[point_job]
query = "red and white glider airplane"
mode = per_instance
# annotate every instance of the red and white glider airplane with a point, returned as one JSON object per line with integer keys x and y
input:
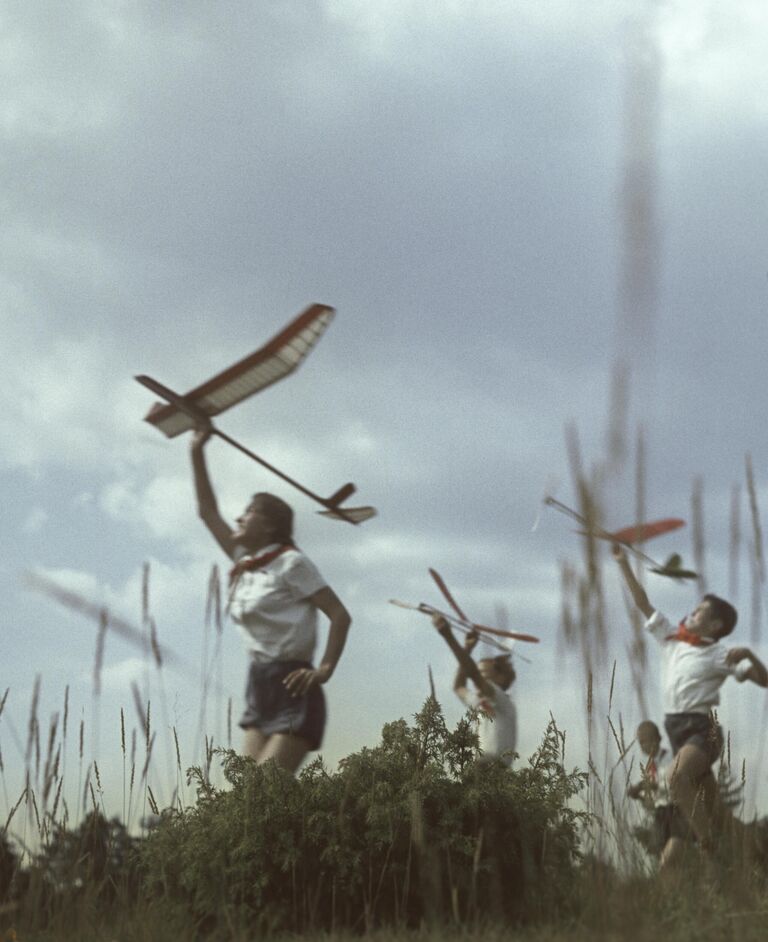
{"x": 275, "y": 360}
{"x": 629, "y": 536}
{"x": 488, "y": 635}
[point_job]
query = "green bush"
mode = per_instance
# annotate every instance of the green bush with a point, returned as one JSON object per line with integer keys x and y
{"x": 412, "y": 831}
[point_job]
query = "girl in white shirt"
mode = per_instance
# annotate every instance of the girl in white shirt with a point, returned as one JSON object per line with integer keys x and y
{"x": 694, "y": 666}
{"x": 275, "y": 593}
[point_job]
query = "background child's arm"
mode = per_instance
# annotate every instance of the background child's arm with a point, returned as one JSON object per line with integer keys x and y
{"x": 460, "y": 680}
{"x": 635, "y": 589}
{"x": 757, "y": 673}
{"x": 467, "y": 667}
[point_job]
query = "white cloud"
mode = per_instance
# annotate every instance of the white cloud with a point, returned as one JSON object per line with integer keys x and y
{"x": 35, "y": 520}
{"x": 714, "y": 57}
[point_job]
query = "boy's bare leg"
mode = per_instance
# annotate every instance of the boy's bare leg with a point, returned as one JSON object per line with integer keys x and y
{"x": 672, "y": 853}
{"x": 694, "y": 791}
{"x": 287, "y": 749}
{"x": 253, "y": 743}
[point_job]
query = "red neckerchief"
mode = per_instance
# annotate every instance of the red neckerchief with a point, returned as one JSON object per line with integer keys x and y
{"x": 651, "y": 771}
{"x": 252, "y": 563}
{"x": 690, "y": 637}
{"x": 485, "y": 705}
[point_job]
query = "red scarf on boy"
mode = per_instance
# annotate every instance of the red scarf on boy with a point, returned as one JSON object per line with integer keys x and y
{"x": 690, "y": 637}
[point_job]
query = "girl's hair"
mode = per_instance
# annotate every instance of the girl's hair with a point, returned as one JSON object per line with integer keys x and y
{"x": 279, "y": 514}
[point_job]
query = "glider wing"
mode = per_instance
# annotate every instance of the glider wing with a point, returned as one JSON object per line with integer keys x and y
{"x": 275, "y": 360}
{"x": 639, "y": 532}
{"x": 514, "y": 635}
{"x": 447, "y": 595}
{"x": 351, "y": 514}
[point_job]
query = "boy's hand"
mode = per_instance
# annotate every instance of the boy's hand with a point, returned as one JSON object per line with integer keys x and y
{"x": 441, "y": 623}
{"x": 470, "y": 641}
{"x": 618, "y": 553}
{"x": 737, "y": 654}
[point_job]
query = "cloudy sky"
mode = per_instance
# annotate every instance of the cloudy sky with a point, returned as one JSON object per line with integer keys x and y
{"x": 503, "y": 200}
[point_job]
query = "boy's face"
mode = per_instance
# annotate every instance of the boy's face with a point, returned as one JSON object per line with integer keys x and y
{"x": 648, "y": 741}
{"x": 702, "y": 622}
{"x": 491, "y": 670}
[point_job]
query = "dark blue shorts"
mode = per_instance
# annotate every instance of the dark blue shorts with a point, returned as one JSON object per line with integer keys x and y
{"x": 271, "y": 709}
{"x": 695, "y": 729}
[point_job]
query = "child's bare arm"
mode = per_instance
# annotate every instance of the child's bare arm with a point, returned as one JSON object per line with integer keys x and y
{"x": 467, "y": 667}
{"x": 757, "y": 673}
{"x": 207, "y": 507}
{"x": 635, "y": 589}
{"x": 460, "y": 680}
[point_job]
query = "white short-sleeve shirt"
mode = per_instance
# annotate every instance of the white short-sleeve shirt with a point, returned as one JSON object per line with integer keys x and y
{"x": 691, "y": 675}
{"x": 271, "y": 606}
{"x": 497, "y": 722}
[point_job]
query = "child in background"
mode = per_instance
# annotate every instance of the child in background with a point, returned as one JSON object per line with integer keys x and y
{"x": 491, "y": 678}
{"x": 670, "y": 829}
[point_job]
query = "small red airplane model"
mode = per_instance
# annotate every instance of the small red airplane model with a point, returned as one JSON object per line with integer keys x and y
{"x": 459, "y": 620}
{"x": 628, "y": 537}
{"x": 270, "y": 363}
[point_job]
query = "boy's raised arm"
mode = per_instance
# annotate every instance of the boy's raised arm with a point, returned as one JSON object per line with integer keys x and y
{"x": 635, "y": 589}
{"x": 467, "y": 667}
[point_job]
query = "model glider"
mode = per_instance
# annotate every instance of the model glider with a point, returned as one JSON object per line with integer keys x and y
{"x": 118, "y": 626}
{"x": 460, "y": 620}
{"x": 483, "y": 629}
{"x": 453, "y": 620}
{"x": 630, "y": 536}
{"x": 272, "y": 362}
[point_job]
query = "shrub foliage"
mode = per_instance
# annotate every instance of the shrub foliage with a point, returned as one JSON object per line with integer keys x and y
{"x": 413, "y": 831}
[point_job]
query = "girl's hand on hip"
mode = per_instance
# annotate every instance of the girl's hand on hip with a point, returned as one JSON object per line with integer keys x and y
{"x": 300, "y": 681}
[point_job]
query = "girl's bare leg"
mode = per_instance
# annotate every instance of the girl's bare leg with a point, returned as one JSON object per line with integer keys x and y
{"x": 253, "y": 743}
{"x": 286, "y": 749}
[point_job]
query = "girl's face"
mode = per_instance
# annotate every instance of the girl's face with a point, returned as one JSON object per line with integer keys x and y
{"x": 254, "y": 528}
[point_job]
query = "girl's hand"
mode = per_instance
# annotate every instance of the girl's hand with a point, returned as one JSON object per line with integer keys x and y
{"x": 441, "y": 623}
{"x": 301, "y": 681}
{"x": 201, "y": 436}
{"x": 470, "y": 641}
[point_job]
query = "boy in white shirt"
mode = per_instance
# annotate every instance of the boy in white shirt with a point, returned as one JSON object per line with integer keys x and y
{"x": 492, "y": 677}
{"x": 694, "y": 666}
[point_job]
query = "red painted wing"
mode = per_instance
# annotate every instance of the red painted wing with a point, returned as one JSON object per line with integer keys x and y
{"x": 640, "y": 532}
{"x": 448, "y": 597}
{"x": 270, "y": 363}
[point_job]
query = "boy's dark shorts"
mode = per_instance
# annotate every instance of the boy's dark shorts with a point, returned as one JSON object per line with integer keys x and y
{"x": 270, "y": 708}
{"x": 696, "y": 729}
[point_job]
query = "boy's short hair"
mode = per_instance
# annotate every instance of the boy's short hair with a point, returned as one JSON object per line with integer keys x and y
{"x": 503, "y": 664}
{"x": 648, "y": 727}
{"x": 724, "y": 612}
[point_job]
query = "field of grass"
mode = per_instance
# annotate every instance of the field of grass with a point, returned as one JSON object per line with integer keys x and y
{"x": 410, "y": 838}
